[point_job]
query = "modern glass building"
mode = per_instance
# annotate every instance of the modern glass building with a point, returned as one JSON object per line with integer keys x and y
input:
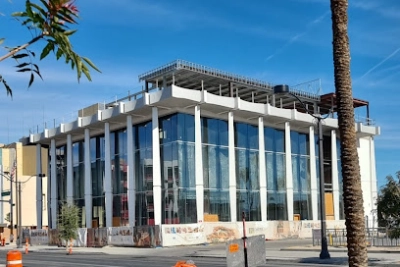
{"x": 200, "y": 145}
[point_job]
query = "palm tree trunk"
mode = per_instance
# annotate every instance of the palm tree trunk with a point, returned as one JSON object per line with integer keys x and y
{"x": 352, "y": 192}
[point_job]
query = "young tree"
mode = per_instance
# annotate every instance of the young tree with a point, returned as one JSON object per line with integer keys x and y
{"x": 68, "y": 223}
{"x": 352, "y": 192}
{"x": 388, "y": 205}
{"x": 49, "y": 22}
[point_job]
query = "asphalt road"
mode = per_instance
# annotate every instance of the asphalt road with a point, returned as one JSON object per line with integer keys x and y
{"x": 58, "y": 259}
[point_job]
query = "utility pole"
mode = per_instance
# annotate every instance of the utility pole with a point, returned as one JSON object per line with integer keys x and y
{"x": 11, "y": 210}
{"x": 19, "y": 233}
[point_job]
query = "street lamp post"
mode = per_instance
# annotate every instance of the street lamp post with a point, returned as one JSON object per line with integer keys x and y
{"x": 284, "y": 89}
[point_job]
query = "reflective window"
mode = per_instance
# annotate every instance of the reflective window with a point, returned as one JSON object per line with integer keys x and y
{"x": 215, "y": 166}
{"x": 302, "y": 206}
{"x": 275, "y": 163}
{"x": 144, "y": 206}
{"x": 61, "y": 163}
{"x": 246, "y": 136}
{"x": 214, "y": 131}
{"x": 274, "y": 140}
{"x": 340, "y": 177}
{"x": 178, "y": 169}
{"x": 247, "y": 178}
{"x": 78, "y": 170}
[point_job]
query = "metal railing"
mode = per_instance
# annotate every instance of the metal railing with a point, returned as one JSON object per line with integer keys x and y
{"x": 375, "y": 237}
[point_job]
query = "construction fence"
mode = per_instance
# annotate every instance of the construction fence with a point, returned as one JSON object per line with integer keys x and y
{"x": 140, "y": 236}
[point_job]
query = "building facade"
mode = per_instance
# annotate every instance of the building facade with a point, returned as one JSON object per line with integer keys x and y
{"x": 18, "y": 167}
{"x": 200, "y": 145}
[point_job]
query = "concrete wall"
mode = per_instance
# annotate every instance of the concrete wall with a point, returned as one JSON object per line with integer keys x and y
{"x": 220, "y": 232}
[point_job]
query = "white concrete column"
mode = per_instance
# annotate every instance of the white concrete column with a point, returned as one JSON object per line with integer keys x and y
{"x": 107, "y": 176}
{"x": 232, "y": 167}
{"x": 53, "y": 184}
{"x": 262, "y": 169}
{"x": 335, "y": 177}
{"x": 88, "y": 180}
{"x": 374, "y": 185}
{"x": 289, "y": 172}
{"x": 131, "y": 171}
{"x": 70, "y": 177}
{"x": 157, "y": 194}
{"x": 199, "y": 165}
{"x": 39, "y": 204}
{"x": 313, "y": 174}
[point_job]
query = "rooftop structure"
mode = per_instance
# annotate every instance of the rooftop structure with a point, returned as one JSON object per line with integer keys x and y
{"x": 198, "y": 77}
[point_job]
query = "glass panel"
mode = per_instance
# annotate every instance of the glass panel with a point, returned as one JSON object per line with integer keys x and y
{"x": 189, "y": 127}
{"x": 217, "y": 202}
{"x": 241, "y": 135}
{"x": 120, "y": 210}
{"x": 249, "y": 203}
{"x": 97, "y": 177}
{"x": 79, "y": 181}
{"x": 279, "y": 141}
{"x": 277, "y": 207}
{"x": 252, "y": 135}
{"x": 242, "y": 173}
{"x": 281, "y": 172}
{"x": 223, "y": 132}
{"x": 80, "y": 203}
{"x": 294, "y": 142}
{"x": 98, "y": 212}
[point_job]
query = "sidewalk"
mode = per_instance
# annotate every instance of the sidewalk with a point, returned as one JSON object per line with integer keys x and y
{"x": 274, "y": 251}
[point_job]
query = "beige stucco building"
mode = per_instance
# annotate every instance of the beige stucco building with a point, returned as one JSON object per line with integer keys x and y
{"x": 18, "y": 163}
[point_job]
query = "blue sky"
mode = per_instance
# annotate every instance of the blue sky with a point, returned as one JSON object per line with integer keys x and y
{"x": 276, "y": 41}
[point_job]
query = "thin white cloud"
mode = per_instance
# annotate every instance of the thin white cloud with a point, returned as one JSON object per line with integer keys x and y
{"x": 297, "y": 36}
{"x": 385, "y": 9}
{"x": 379, "y": 64}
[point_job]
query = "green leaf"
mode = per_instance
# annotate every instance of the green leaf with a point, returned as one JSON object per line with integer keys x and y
{"x": 45, "y": 4}
{"x": 2, "y": 40}
{"x": 19, "y": 56}
{"x": 59, "y": 53}
{"x": 22, "y": 65}
{"x": 90, "y": 63}
{"x": 8, "y": 88}
{"x": 70, "y": 32}
{"x": 38, "y": 74}
{"x": 24, "y": 70}
{"x": 19, "y": 14}
{"x": 40, "y": 9}
{"x": 31, "y": 80}
{"x": 46, "y": 50}
{"x": 86, "y": 72}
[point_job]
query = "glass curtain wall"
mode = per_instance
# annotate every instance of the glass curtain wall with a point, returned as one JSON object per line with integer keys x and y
{"x": 247, "y": 178}
{"x": 215, "y": 169}
{"x": 178, "y": 169}
{"x": 340, "y": 177}
{"x": 119, "y": 177}
{"x": 276, "y": 174}
{"x": 61, "y": 163}
{"x": 79, "y": 179}
{"x": 300, "y": 147}
{"x": 97, "y": 151}
{"x": 144, "y": 204}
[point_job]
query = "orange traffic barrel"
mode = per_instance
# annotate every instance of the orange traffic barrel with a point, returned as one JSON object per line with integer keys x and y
{"x": 188, "y": 263}
{"x": 14, "y": 258}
